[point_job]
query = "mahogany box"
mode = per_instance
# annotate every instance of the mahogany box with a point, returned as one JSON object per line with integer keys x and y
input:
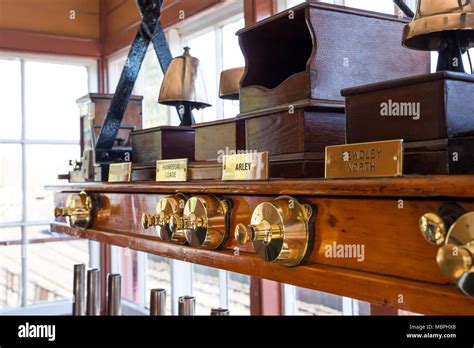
{"x": 426, "y": 107}
{"x": 93, "y": 108}
{"x": 314, "y": 50}
{"x": 217, "y": 138}
{"x": 296, "y": 138}
{"x": 439, "y": 157}
{"x": 161, "y": 143}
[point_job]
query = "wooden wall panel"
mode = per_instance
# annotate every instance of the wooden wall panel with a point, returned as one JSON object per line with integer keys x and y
{"x": 52, "y": 17}
{"x": 120, "y": 16}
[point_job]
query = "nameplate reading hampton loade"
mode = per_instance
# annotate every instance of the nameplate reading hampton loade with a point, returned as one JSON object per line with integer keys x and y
{"x": 120, "y": 172}
{"x": 374, "y": 159}
{"x": 172, "y": 170}
{"x": 246, "y": 166}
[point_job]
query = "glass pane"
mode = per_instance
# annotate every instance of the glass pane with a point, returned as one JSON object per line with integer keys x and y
{"x": 10, "y": 235}
{"x": 239, "y": 294}
{"x": 384, "y": 6}
{"x": 43, "y": 233}
{"x": 204, "y": 48}
{"x": 232, "y": 55}
{"x": 206, "y": 289}
{"x": 10, "y": 97}
{"x": 291, "y": 3}
{"x": 51, "y": 91}
{"x": 44, "y": 163}
{"x": 10, "y": 269}
{"x": 311, "y": 302}
{"x": 128, "y": 261}
{"x": 159, "y": 277}
{"x": 50, "y": 268}
{"x": 149, "y": 84}
{"x": 232, "y": 58}
{"x": 10, "y": 183}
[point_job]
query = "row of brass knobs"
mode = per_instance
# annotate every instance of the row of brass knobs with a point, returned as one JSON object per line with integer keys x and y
{"x": 279, "y": 230}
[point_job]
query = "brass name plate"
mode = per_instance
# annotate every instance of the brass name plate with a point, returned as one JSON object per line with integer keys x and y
{"x": 120, "y": 172}
{"x": 374, "y": 159}
{"x": 172, "y": 170}
{"x": 247, "y": 166}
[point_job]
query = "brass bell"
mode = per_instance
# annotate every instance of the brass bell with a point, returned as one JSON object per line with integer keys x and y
{"x": 183, "y": 86}
{"x": 229, "y": 86}
{"x": 446, "y": 26}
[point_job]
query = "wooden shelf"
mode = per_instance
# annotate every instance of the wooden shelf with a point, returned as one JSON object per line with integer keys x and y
{"x": 460, "y": 186}
{"x": 399, "y": 269}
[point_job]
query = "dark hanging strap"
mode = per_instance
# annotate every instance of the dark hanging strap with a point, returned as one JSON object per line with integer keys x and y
{"x": 150, "y": 30}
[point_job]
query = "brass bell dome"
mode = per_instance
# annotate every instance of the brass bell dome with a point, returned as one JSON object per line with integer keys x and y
{"x": 183, "y": 86}
{"x": 434, "y": 18}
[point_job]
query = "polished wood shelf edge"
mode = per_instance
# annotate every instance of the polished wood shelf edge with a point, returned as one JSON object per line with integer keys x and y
{"x": 460, "y": 186}
{"x": 414, "y": 296}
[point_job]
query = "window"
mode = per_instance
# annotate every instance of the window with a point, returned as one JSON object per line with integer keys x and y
{"x": 38, "y": 137}
{"x": 301, "y": 301}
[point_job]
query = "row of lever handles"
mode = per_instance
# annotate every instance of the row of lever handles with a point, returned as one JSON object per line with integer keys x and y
{"x": 89, "y": 303}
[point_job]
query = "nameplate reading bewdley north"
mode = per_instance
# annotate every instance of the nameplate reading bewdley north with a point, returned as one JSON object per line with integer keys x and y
{"x": 245, "y": 166}
{"x": 374, "y": 159}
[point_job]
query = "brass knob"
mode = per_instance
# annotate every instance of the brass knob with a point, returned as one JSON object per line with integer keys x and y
{"x": 205, "y": 222}
{"x": 454, "y": 261}
{"x": 455, "y": 257}
{"x": 279, "y": 231}
{"x": 148, "y": 220}
{"x": 78, "y": 210}
{"x": 433, "y": 228}
{"x": 242, "y": 234}
{"x": 167, "y": 220}
{"x": 262, "y": 232}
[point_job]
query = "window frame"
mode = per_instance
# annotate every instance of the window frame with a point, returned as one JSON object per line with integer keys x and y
{"x": 23, "y": 224}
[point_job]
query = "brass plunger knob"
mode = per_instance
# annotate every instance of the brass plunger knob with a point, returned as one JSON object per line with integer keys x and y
{"x": 148, "y": 220}
{"x": 63, "y": 212}
{"x": 433, "y": 228}
{"x": 242, "y": 234}
{"x": 454, "y": 260}
{"x": 263, "y": 232}
{"x": 193, "y": 221}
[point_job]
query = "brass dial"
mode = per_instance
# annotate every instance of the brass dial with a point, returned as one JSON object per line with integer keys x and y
{"x": 455, "y": 257}
{"x": 279, "y": 231}
{"x": 78, "y": 210}
{"x": 167, "y": 219}
{"x": 205, "y": 222}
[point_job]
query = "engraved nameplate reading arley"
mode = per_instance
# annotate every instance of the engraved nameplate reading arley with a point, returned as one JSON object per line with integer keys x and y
{"x": 172, "y": 170}
{"x": 374, "y": 159}
{"x": 245, "y": 166}
{"x": 120, "y": 172}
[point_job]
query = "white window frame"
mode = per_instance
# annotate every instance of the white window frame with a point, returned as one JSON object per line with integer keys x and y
{"x": 92, "y": 71}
